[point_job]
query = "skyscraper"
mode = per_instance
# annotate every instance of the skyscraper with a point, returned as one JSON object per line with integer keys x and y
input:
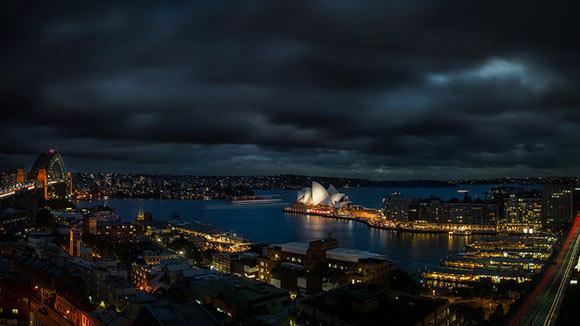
{"x": 556, "y": 204}
{"x": 576, "y": 200}
{"x": 521, "y": 209}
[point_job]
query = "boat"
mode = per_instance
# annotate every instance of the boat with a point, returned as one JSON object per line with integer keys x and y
{"x": 252, "y": 200}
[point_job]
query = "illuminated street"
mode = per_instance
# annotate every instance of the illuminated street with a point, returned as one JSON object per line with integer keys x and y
{"x": 543, "y": 304}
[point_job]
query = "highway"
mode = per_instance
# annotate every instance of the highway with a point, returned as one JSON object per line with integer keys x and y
{"x": 543, "y": 303}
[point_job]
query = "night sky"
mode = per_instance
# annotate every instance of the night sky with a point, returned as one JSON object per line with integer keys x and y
{"x": 382, "y": 90}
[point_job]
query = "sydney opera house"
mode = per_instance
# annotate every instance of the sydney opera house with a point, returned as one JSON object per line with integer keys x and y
{"x": 318, "y": 196}
{"x": 317, "y": 200}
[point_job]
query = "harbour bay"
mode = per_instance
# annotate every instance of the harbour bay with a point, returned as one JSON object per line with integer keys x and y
{"x": 268, "y": 224}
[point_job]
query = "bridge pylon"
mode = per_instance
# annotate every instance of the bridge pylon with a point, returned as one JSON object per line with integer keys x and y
{"x": 20, "y": 175}
{"x": 42, "y": 178}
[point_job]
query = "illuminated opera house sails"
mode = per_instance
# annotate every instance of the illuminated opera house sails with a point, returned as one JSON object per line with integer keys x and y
{"x": 317, "y": 195}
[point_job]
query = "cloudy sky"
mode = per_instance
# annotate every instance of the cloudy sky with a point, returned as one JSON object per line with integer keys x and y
{"x": 384, "y": 90}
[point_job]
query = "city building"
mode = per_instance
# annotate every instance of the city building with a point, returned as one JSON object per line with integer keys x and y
{"x": 243, "y": 300}
{"x": 143, "y": 216}
{"x": 240, "y": 264}
{"x": 459, "y": 213}
{"x": 100, "y": 218}
{"x": 145, "y": 277}
{"x": 156, "y": 257}
{"x": 133, "y": 304}
{"x": 153, "y": 277}
{"x": 400, "y": 208}
{"x": 523, "y": 212}
{"x": 320, "y": 265}
{"x": 67, "y": 309}
{"x": 122, "y": 231}
{"x": 14, "y": 293}
{"x": 103, "y": 317}
{"x": 176, "y": 314}
{"x": 576, "y": 200}
{"x": 358, "y": 266}
{"x": 371, "y": 304}
{"x": 556, "y": 204}
{"x": 45, "y": 276}
{"x": 114, "y": 291}
{"x": 13, "y": 221}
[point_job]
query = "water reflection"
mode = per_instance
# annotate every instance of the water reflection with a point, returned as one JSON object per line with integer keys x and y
{"x": 267, "y": 223}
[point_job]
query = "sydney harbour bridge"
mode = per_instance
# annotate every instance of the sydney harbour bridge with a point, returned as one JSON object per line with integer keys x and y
{"x": 47, "y": 179}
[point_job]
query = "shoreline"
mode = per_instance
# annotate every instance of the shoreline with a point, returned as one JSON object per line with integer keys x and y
{"x": 289, "y": 210}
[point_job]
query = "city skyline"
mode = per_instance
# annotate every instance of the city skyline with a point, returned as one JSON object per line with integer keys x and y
{"x": 148, "y": 248}
{"x": 330, "y": 162}
{"x": 430, "y": 90}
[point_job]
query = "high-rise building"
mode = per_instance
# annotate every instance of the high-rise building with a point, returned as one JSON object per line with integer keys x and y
{"x": 433, "y": 210}
{"x": 556, "y": 205}
{"x": 401, "y": 208}
{"x": 576, "y": 200}
{"x": 523, "y": 210}
{"x": 459, "y": 213}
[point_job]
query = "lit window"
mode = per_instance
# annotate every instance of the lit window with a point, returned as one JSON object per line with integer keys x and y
{"x": 15, "y": 311}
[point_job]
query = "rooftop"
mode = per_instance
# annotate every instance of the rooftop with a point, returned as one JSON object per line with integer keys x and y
{"x": 240, "y": 288}
{"x": 119, "y": 283}
{"x": 367, "y": 304}
{"x": 293, "y": 247}
{"x": 176, "y": 314}
{"x": 142, "y": 297}
{"x": 352, "y": 255}
{"x": 40, "y": 265}
{"x": 7, "y": 273}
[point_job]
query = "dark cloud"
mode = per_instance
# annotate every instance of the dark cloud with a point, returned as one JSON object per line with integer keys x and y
{"x": 398, "y": 89}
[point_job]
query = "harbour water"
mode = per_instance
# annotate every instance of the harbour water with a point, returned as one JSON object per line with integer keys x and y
{"x": 267, "y": 223}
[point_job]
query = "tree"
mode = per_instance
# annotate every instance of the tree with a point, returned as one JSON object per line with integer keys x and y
{"x": 45, "y": 220}
{"x": 399, "y": 280}
{"x": 59, "y": 203}
{"x": 470, "y": 315}
{"x": 497, "y": 314}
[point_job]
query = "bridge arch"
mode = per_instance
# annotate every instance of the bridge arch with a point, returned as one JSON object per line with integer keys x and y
{"x": 53, "y": 165}
{"x": 49, "y": 171}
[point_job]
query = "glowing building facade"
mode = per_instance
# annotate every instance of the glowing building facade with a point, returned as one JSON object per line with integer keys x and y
{"x": 317, "y": 195}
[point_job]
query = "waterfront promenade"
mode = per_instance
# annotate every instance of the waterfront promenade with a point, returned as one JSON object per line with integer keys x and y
{"x": 418, "y": 227}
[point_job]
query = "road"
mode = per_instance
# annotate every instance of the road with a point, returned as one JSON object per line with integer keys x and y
{"x": 543, "y": 304}
{"x": 7, "y": 192}
{"x": 50, "y": 318}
